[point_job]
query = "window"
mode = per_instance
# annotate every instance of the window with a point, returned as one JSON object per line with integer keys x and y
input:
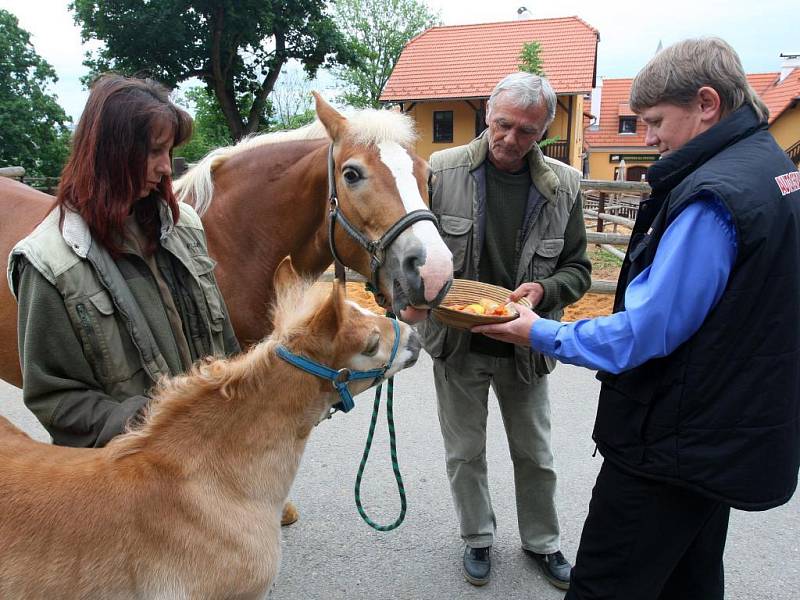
{"x": 627, "y": 124}
{"x": 443, "y": 126}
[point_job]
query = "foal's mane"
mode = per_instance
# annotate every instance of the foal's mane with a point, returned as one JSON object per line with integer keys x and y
{"x": 365, "y": 127}
{"x": 213, "y": 383}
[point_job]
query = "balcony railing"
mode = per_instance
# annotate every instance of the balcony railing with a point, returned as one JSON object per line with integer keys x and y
{"x": 794, "y": 153}
{"x": 557, "y": 150}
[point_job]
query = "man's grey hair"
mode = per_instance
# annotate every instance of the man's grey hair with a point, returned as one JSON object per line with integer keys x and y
{"x": 526, "y": 89}
{"x": 675, "y": 75}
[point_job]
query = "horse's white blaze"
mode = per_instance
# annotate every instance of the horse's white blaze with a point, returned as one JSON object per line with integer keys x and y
{"x": 438, "y": 267}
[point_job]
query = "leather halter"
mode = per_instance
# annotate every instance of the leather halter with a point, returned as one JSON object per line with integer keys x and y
{"x": 375, "y": 248}
{"x": 342, "y": 377}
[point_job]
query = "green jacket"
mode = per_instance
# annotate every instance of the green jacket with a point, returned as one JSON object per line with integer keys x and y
{"x": 553, "y": 252}
{"x": 93, "y": 332}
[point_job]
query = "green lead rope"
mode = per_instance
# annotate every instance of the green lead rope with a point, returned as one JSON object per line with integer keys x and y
{"x": 395, "y": 466}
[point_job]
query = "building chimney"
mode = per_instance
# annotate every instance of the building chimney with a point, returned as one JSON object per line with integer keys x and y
{"x": 790, "y": 63}
{"x": 523, "y": 14}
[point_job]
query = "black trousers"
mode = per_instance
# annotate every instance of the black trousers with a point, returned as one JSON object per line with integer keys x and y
{"x": 647, "y": 540}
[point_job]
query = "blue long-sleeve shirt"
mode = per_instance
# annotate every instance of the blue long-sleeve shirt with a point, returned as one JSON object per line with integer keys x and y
{"x": 664, "y": 305}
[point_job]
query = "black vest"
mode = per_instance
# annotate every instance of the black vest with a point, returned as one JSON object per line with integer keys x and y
{"x": 721, "y": 414}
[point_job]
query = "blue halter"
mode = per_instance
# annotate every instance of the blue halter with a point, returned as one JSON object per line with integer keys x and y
{"x": 342, "y": 377}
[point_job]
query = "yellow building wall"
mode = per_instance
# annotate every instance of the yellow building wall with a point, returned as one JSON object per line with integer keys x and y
{"x": 786, "y": 128}
{"x": 576, "y": 144}
{"x": 464, "y": 125}
{"x": 600, "y": 167}
{"x": 559, "y": 125}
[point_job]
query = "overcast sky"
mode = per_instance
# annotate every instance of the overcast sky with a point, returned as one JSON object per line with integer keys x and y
{"x": 760, "y": 30}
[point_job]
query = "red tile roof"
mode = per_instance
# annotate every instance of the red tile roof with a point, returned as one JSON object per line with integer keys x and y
{"x": 467, "y": 61}
{"x": 613, "y": 105}
{"x": 616, "y": 92}
{"x": 778, "y": 96}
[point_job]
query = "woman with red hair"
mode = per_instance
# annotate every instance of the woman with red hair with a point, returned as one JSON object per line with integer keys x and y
{"x": 115, "y": 286}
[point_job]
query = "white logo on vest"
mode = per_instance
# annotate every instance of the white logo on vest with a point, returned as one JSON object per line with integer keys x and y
{"x": 788, "y": 182}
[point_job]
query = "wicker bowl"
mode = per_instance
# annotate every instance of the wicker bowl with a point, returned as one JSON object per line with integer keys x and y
{"x": 466, "y": 291}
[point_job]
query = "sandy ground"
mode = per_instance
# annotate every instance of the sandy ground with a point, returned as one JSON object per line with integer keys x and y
{"x": 591, "y": 305}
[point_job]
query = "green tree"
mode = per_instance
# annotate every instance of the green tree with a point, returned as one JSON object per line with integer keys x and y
{"x": 292, "y": 103}
{"x": 33, "y": 127}
{"x": 290, "y": 106}
{"x": 210, "y": 128}
{"x": 235, "y": 47}
{"x": 376, "y": 32}
{"x": 531, "y": 62}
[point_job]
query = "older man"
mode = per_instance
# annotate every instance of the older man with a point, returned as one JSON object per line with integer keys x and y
{"x": 511, "y": 217}
{"x": 699, "y": 406}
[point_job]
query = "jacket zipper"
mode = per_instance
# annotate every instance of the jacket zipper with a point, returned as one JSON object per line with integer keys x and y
{"x": 91, "y": 337}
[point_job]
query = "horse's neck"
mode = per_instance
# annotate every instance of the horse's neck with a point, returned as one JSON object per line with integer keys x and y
{"x": 273, "y": 215}
{"x": 248, "y": 445}
{"x": 260, "y": 220}
{"x": 310, "y": 251}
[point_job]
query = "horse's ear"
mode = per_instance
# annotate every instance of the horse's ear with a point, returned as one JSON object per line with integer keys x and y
{"x": 329, "y": 318}
{"x": 334, "y": 122}
{"x": 285, "y": 275}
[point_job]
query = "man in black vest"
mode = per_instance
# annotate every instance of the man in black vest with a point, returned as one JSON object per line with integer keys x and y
{"x": 699, "y": 408}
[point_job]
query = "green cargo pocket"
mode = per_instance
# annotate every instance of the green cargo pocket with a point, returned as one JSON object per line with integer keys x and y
{"x": 456, "y": 233}
{"x": 204, "y": 267}
{"x": 546, "y": 257}
{"x": 106, "y": 343}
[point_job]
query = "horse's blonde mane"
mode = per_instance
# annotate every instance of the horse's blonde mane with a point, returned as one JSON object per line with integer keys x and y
{"x": 215, "y": 380}
{"x": 365, "y": 127}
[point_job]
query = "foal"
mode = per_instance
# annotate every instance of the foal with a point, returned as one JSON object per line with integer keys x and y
{"x": 187, "y": 505}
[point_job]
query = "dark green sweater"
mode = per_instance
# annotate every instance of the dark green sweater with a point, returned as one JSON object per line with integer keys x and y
{"x": 506, "y": 199}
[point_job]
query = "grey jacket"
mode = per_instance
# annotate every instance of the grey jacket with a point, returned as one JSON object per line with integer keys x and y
{"x": 89, "y": 355}
{"x": 553, "y": 252}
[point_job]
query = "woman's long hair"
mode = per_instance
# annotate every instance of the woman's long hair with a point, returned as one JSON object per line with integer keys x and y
{"x": 107, "y": 168}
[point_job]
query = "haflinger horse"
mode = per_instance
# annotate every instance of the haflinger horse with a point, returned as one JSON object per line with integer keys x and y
{"x": 187, "y": 504}
{"x": 350, "y": 188}
{"x": 281, "y": 194}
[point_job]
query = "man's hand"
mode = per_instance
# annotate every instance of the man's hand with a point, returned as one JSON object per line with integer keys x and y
{"x": 532, "y": 291}
{"x": 514, "y": 332}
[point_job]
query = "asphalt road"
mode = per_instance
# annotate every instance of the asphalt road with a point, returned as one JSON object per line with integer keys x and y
{"x": 331, "y": 554}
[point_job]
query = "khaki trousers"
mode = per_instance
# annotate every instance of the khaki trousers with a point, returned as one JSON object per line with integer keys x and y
{"x": 462, "y": 398}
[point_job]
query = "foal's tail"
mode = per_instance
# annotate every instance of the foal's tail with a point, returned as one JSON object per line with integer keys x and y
{"x": 196, "y": 186}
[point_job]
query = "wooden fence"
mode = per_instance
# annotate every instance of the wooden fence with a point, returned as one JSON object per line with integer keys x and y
{"x": 615, "y": 203}
{"x": 43, "y": 184}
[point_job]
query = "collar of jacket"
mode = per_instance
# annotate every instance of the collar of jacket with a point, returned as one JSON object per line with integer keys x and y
{"x": 669, "y": 171}
{"x": 76, "y": 233}
{"x": 542, "y": 176}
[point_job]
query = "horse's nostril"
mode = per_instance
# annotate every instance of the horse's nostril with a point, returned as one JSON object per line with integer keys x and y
{"x": 411, "y": 265}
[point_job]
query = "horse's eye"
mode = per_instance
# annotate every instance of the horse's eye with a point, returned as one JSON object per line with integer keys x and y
{"x": 351, "y": 175}
{"x": 373, "y": 343}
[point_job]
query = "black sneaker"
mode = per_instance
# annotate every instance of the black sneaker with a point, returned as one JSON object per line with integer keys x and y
{"x": 477, "y": 565}
{"x": 555, "y": 568}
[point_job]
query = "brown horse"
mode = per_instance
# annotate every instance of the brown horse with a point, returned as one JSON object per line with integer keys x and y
{"x": 271, "y": 198}
{"x": 187, "y": 504}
